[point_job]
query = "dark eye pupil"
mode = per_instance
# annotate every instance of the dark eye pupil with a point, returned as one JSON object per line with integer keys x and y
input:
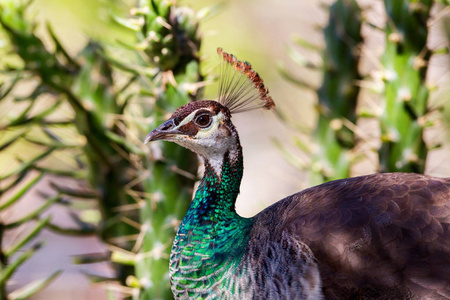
{"x": 203, "y": 120}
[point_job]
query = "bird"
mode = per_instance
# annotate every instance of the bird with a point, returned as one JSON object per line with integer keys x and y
{"x": 380, "y": 236}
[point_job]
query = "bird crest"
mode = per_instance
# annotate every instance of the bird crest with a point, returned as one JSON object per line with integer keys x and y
{"x": 240, "y": 87}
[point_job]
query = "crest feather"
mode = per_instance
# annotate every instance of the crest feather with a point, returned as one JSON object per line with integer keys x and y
{"x": 241, "y": 88}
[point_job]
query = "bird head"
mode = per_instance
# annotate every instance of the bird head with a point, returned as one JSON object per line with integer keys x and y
{"x": 205, "y": 126}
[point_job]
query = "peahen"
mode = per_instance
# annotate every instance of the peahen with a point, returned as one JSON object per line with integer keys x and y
{"x": 381, "y": 236}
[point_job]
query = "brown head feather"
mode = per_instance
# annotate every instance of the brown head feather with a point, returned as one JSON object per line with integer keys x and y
{"x": 183, "y": 111}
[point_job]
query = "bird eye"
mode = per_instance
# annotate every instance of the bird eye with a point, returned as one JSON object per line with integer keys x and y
{"x": 203, "y": 120}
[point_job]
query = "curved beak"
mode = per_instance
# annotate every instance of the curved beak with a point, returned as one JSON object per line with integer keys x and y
{"x": 165, "y": 129}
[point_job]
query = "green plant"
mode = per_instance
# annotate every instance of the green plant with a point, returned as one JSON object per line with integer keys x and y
{"x": 338, "y": 93}
{"x": 92, "y": 102}
{"x": 169, "y": 41}
{"x": 17, "y": 244}
{"x": 401, "y": 88}
{"x": 114, "y": 96}
{"x": 405, "y": 95}
{"x": 334, "y": 136}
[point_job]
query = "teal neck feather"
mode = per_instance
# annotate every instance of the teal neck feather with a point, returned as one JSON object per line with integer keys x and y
{"x": 212, "y": 236}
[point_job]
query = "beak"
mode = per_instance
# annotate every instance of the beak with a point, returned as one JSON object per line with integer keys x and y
{"x": 160, "y": 133}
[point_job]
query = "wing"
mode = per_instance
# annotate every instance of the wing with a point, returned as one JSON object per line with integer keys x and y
{"x": 383, "y": 236}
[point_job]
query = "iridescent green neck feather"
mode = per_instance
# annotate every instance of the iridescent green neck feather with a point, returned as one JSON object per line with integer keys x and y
{"x": 212, "y": 237}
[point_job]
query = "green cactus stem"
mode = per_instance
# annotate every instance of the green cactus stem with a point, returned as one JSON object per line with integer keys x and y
{"x": 338, "y": 94}
{"x": 402, "y": 121}
{"x": 170, "y": 39}
{"x": 86, "y": 84}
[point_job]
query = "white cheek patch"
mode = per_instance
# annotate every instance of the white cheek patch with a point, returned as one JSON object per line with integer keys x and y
{"x": 211, "y": 143}
{"x": 214, "y": 142}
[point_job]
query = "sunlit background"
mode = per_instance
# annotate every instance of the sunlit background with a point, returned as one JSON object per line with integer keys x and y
{"x": 259, "y": 31}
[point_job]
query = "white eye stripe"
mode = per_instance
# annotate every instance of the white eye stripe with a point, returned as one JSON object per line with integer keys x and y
{"x": 188, "y": 119}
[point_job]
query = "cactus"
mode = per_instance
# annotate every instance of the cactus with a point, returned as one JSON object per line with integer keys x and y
{"x": 93, "y": 102}
{"x": 338, "y": 93}
{"x": 169, "y": 38}
{"x": 14, "y": 185}
{"x": 334, "y": 136}
{"x": 130, "y": 184}
{"x": 13, "y": 255}
{"x": 404, "y": 95}
{"x": 405, "y": 92}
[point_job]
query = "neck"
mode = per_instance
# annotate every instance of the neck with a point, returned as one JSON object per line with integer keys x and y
{"x": 213, "y": 206}
{"x": 212, "y": 236}
{"x": 212, "y": 210}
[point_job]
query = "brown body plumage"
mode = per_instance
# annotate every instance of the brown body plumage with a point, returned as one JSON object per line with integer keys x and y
{"x": 381, "y": 236}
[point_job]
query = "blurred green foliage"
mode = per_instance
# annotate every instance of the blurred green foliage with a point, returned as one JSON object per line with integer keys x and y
{"x": 405, "y": 94}
{"x": 397, "y": 81}
{"x": 112, "y": 96}
{"x": 338, "y": 93}
{"x": 169, "y": 38}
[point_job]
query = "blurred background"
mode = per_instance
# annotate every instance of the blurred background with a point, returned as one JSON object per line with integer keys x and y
{"x": 289, "y": 43}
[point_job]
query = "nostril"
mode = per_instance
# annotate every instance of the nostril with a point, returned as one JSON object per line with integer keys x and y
{"x": 166, "y": 126}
